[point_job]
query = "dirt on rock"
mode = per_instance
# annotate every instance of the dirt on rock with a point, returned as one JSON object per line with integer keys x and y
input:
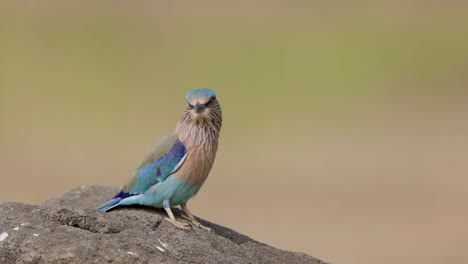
{"x": 69, "y": 229}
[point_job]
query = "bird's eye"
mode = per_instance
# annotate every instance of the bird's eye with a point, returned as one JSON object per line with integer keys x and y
{"x": 210, "y": 101}
{"x": 190, "y": 106}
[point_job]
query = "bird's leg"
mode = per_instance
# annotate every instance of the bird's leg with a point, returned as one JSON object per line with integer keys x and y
{"x": 192, "y": 218}
{"x": 172, "y": 219}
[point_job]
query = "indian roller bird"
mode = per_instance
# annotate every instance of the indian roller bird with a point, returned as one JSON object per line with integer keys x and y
{"x": 179, "y": 163}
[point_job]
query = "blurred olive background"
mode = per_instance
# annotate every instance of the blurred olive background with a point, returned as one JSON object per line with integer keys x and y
{"x": 345, "y": 123}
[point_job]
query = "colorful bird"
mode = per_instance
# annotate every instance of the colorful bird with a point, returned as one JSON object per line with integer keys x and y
{"x": 179, "y": 163}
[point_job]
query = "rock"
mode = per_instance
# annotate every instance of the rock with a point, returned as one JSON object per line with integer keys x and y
{"x": 69, "y": 230}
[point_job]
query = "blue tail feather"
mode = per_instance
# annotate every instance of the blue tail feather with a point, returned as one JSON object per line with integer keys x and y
{"x": 110, "y": 204}
{"x": 115, "y": 201}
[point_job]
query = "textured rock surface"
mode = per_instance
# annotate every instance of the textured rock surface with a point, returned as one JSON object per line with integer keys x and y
{"x": 68, "y": 230}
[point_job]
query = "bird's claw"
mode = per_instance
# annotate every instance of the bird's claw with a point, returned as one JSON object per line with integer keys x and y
{"x": 198, "y": 224}
{"x": 178, "y": 224}
{"x": 204, "y": 227}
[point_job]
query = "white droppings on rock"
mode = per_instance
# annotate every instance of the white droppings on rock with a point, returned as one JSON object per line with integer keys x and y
{"x": 131, "y": 253}
{"x": 16, "y": 228}
{"x": 160, "y": 248}
{"x": 36, "y": 235}
{"x": 3, "y": 236}
{"x": 23, "y": 224}
{"x": 164, "y": 245}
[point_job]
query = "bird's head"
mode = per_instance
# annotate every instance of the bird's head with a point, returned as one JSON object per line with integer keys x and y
{"x": 203, "y": 106}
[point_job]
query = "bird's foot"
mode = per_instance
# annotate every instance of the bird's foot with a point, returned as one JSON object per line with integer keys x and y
{"x": 197, "y": 224}
{"x": 204, "y": 227}
{"x": 179, "y": 224}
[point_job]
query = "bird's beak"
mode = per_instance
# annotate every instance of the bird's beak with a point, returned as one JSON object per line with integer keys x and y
{"x": 199, "y": 108}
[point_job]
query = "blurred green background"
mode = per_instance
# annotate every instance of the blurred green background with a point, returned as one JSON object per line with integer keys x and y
{"x": 345, "y": 123}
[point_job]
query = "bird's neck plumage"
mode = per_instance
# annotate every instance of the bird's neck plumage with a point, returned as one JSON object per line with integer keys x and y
{"x": 201, "y": 140}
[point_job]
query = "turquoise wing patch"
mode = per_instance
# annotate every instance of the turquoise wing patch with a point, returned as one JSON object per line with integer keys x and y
{"x": 157, "y": 171}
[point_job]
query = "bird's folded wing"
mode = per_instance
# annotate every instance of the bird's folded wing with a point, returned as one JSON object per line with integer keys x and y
{"x": 165, "y": 158}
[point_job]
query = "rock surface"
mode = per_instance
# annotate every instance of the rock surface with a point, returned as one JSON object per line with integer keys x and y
{"x": 69, "y": 230}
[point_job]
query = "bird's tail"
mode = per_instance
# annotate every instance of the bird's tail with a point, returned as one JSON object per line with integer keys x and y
{"x": 110, "y": 204}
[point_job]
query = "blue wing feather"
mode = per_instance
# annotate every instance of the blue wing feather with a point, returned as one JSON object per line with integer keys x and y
{"x": 158, "y": 171}
{"x": 153, "y": 173}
